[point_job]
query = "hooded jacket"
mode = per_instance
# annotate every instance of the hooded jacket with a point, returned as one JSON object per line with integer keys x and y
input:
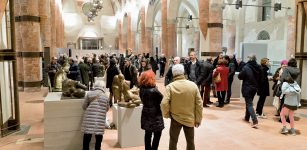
{"x": 291, "y": 71}
{"x": 292, "y": 93}
{"x": 250, "y": 74}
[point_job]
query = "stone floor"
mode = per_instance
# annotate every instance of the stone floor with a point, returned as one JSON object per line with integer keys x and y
{"x": 221, "y": 128}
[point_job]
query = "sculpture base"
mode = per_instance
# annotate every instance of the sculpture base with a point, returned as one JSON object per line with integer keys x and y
{"x": 129, "y": 132}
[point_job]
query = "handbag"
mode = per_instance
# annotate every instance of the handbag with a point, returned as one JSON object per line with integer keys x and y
{"x": 278, "y": 90}
{"x": 217, "y": 79}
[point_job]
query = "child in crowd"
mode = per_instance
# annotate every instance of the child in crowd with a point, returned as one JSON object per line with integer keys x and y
{"x": 291, "y": 91}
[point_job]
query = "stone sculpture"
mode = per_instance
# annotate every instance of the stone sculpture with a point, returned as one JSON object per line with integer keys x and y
{"x": 125, "y": 96}
{"x": 72, "y": 88}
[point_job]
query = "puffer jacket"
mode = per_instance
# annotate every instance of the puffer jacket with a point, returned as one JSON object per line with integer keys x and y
{"x": 151, "y": 119}
{"x": 96, "y": 106}
{"x": 292, "y": 93}
{"x": 250, "y": 74}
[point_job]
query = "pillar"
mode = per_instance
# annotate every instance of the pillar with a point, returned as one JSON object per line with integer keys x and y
{"x": 148, "y": 39}
{"x": 120, "y": 42}
{"x": 53, "y": 28}
{"x": 196, "y": 41}
{"x": 179, "y": 43}
{"x": 129, "y": 32}
{"x": 215, "y": 26}
{"x": 203, "y": 17}
{"x": 231, "y": 37}
{"x": 164, "y": 27}
{"x": 172, "y": 43}
{"x": 143, "y": 34}
{"x": 28, "y": 44}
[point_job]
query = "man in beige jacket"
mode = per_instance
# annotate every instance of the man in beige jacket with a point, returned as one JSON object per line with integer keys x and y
{"x": 183, "y": 104}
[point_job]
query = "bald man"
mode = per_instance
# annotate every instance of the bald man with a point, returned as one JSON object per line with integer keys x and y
{"x": 169, "y": 74}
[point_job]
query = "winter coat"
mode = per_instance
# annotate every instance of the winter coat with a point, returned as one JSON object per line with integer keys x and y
{"x": 151, "y": 119}
{"x": 182, "y": 102}
{"x": 223, "y": 85}
{"x": 133, "y": 73}
{"x": 250, "y": 74}
{"x": 168, "y": 76}
{"x": 74, "y": 72}
{"x": 111, "y": 73}
{"x": 208, "y": 70}
{"x": 292, "y": 93}
{"x": 291, "y": 71}
{"x": 264, "y": 87}
{"x": 199, "y": 72}
{"x": 98, "y": 70}
{"x": 96, "y": 106}
{"x": 84, "y": 70}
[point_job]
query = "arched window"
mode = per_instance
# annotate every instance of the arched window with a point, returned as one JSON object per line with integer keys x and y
{"x": 263, "y": 35}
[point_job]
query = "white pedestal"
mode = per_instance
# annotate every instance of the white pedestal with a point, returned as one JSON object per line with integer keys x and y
{"x": 62, "y": 123}
{"x": 130, "y": 133}
{"x": 115, "y": 115}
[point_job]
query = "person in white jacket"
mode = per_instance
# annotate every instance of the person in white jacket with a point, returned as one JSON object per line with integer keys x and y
{"x": 291, "y": 92}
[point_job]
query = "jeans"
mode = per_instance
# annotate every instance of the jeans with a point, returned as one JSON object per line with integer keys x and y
{"x": 250, "y": 109}
{"x": 221, "y": 97}
{"x": 87, "y": 139}
{"x": 260, "y": 104}
{"x": 155, "y": 142}
{"x": 230, "y": 80}
{"x": 174, "y": 134}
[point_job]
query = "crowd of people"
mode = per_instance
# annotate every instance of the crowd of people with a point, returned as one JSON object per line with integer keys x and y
{"x": 189, "y": 82}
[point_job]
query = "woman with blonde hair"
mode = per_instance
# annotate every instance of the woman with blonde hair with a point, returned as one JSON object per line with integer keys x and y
{"x": 264, "y": 89}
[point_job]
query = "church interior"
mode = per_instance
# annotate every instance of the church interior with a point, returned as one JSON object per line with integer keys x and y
{"x": 35, "y": 32}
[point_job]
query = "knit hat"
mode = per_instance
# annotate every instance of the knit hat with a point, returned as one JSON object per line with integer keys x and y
{"x": 284, "y": 62}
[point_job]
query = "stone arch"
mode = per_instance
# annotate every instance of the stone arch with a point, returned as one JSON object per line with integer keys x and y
{"x": 263, "y": 35}
{"x": 151, "y": 13}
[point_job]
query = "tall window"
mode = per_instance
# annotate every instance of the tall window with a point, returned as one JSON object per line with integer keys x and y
{"x": 266, "y": 11}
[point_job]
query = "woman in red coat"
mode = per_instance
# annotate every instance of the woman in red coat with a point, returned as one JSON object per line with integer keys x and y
{"x": 222, "y": 86}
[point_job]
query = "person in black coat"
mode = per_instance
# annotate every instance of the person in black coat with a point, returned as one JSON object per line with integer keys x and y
{"x": 162, "y": 62}
{"x": 206, "y": 83}
{"x": 154, "y": 64}
{"x": 151, "y": 118}
{"x": 169, "y": 74}
{"x": 74, "y": 71}
{"x": 111, "y": 72}
{"x": 195, "y": 75}
{"x": 264, "y": 91}
{"x": 250, "y": 74}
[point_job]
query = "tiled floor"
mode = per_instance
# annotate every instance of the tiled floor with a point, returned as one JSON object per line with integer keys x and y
{"x": 221, "y": 128}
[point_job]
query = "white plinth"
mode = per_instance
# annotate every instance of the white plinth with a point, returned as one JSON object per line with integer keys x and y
{"x": 115, "y": 115}
{"x": 130, "y": 133}
{"x": 62, "y": 123}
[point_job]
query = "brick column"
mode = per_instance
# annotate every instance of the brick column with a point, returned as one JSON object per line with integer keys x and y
{"x": 44, "y": 13}
{"x": 2, "y": 7}
{"x": 215, "y": 26}
{"x": 172, "y": 39}
{"x": 120, "y": 42}
{"x": 164, "y": 27}
{"x": 28, "y": 44}
{"x": 132, "y": 40}
{"x": 148, "y": 39}
{"x": 53, "y": 28}
{"x": 129, "y": 32}
{"x": 143, "y": 34}
{"x": 203, "y": 17}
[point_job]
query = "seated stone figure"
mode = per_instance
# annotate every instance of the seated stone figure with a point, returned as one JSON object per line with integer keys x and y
{"x": 127, "y": 97}
{"x": 73, "y": 88}
{"x": 59, "y": 77}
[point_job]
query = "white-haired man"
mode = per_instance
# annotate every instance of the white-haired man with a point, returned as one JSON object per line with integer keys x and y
{"x": 183, "y": 104}
{"x": 169, "y": 74}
